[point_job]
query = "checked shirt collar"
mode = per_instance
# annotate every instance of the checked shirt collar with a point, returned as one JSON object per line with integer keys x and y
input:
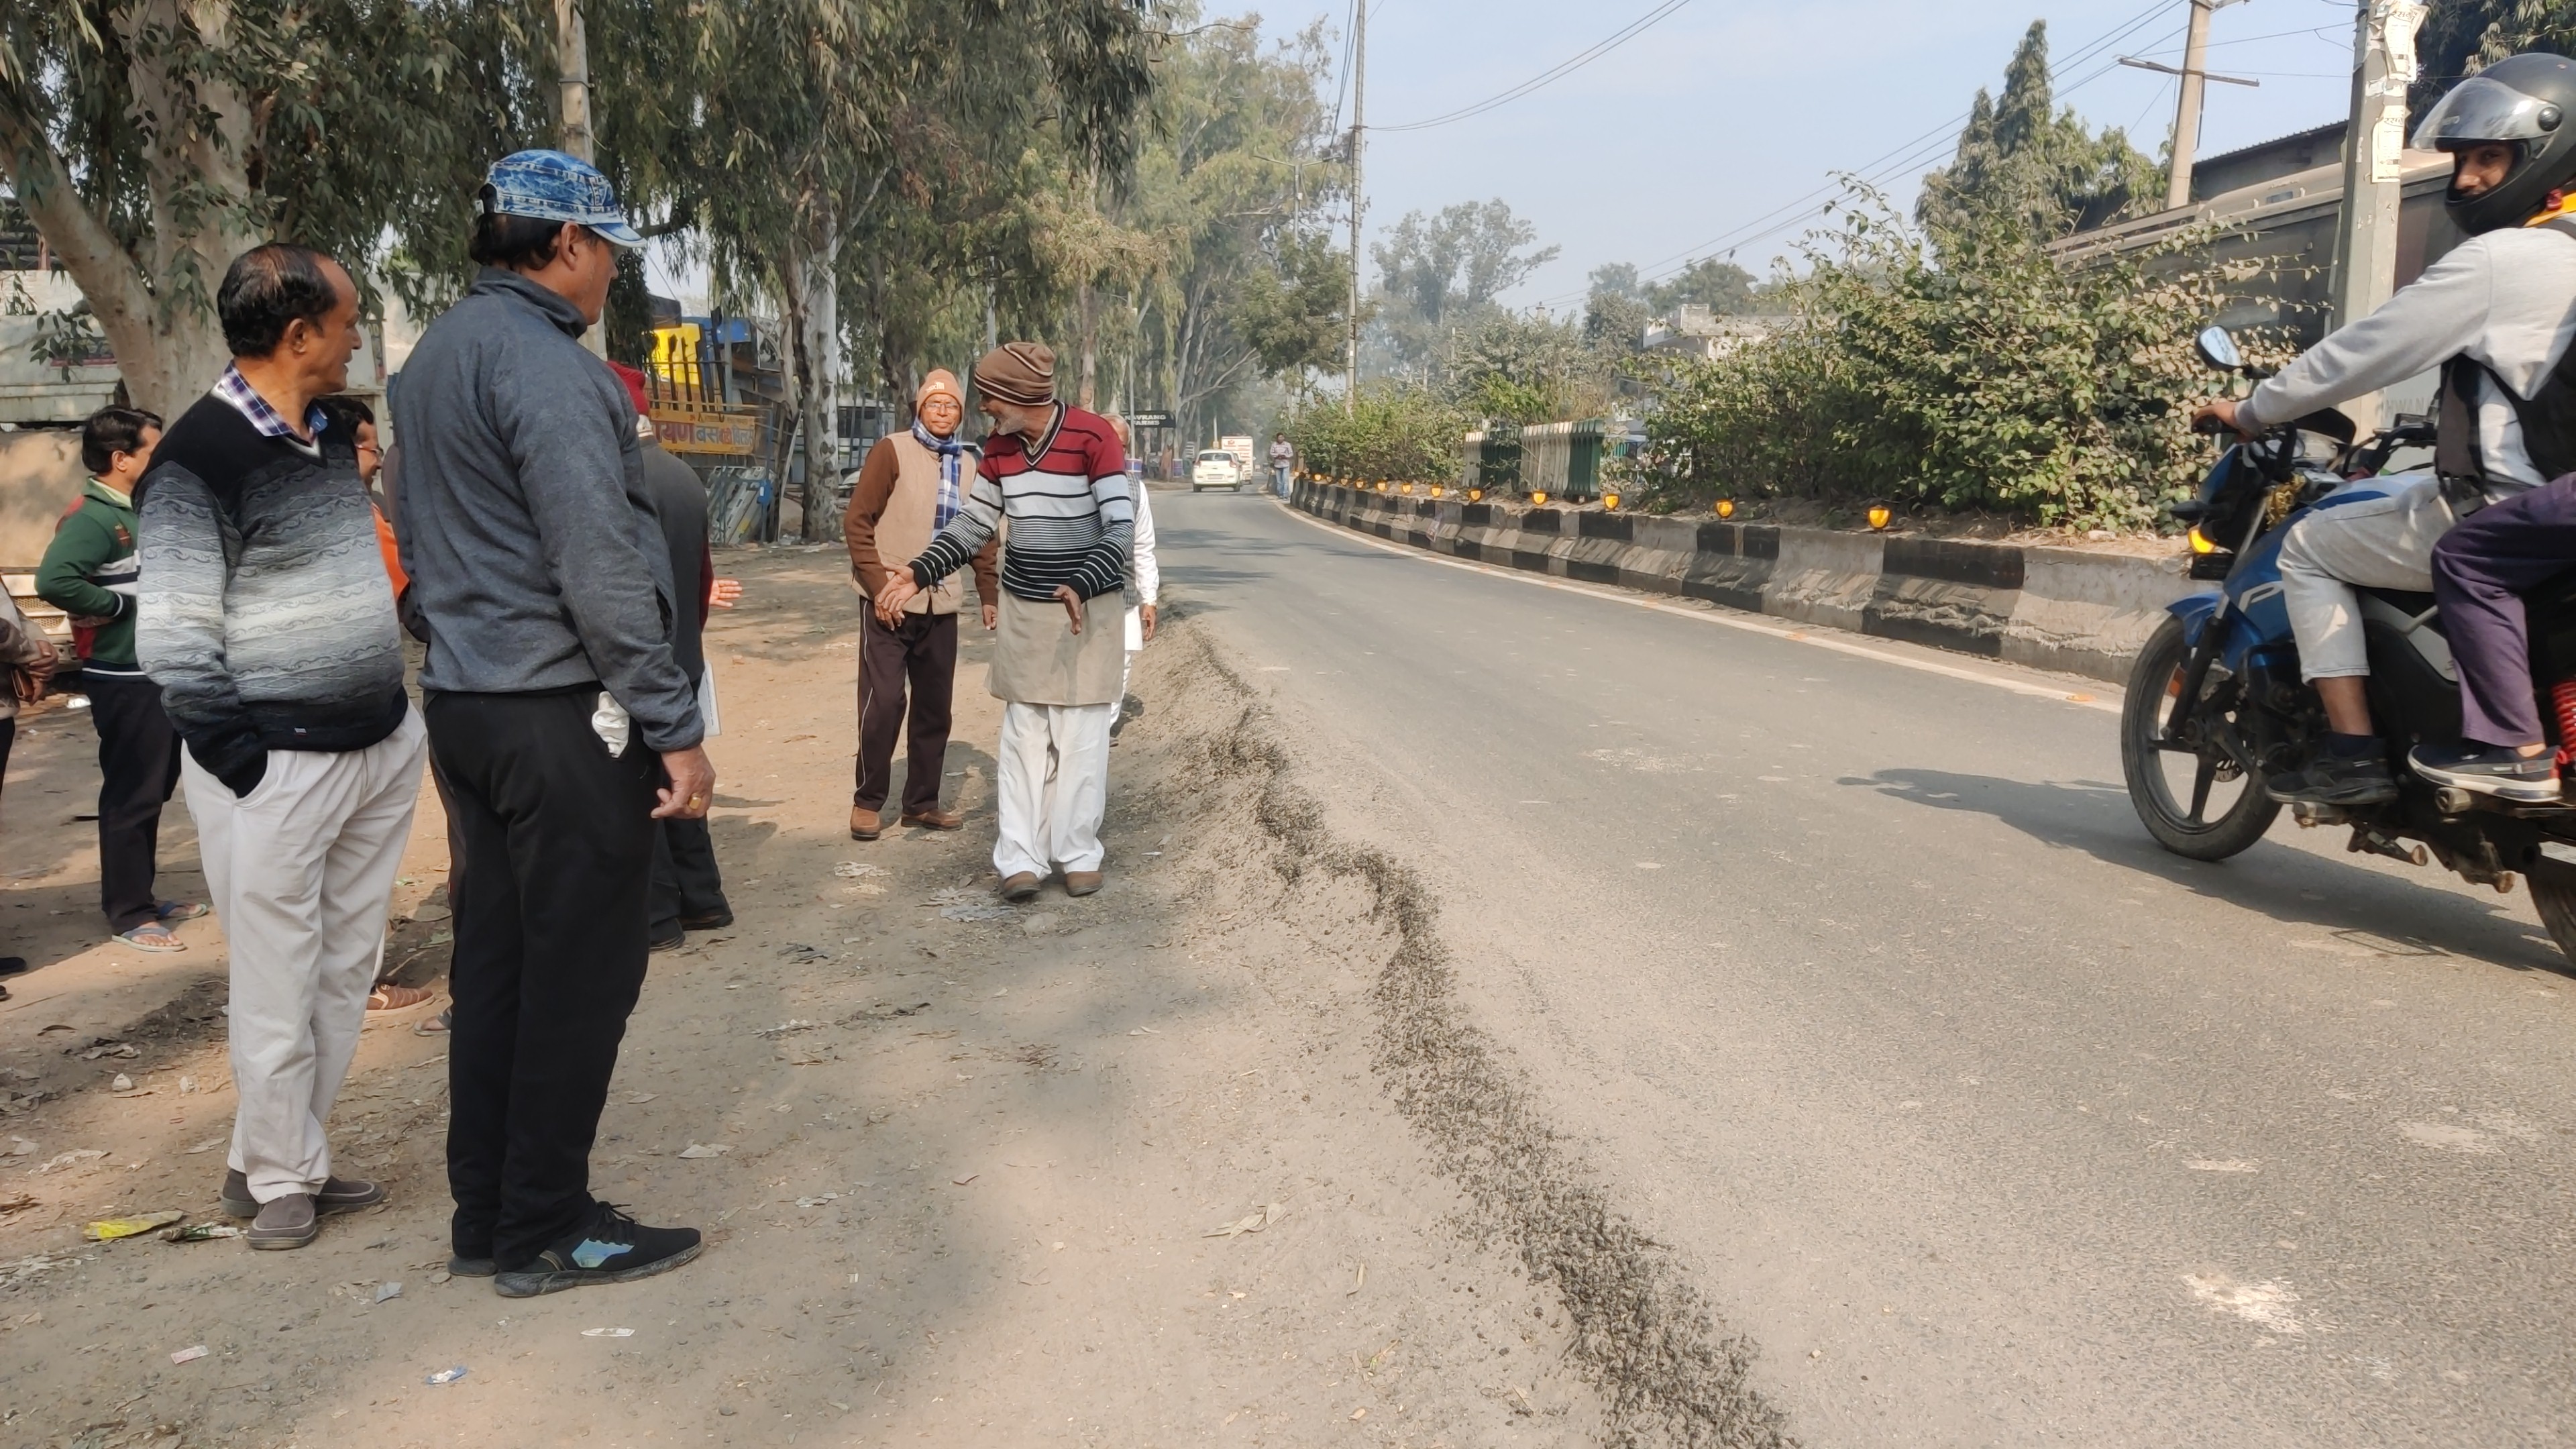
{"x": 233, "y": 388}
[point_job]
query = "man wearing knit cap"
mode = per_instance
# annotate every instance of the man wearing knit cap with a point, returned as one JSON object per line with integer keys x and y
{"x": 1059, "y": 475}
{"x": 911, "y": 486}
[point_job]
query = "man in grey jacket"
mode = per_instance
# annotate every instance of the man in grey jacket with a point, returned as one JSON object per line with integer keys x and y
{"x": 2505, "y": 301}
{"x": 559, "y": 719}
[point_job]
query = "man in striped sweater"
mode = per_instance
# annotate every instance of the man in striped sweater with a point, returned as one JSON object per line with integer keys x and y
{"x": 1059, "y": 475}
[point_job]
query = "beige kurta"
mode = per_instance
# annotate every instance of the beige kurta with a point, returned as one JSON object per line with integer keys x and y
{"x": 1038, "y": 659}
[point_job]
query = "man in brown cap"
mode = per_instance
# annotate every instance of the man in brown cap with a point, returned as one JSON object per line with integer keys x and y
{"x": 910, "y": 487}
{"x": 1060, "y": 476}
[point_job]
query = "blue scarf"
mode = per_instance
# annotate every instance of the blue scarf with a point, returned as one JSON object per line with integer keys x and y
{"x": 950, "y": 451}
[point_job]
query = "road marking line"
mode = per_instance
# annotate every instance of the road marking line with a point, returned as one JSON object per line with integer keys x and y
{"x": 1719, "y": 614}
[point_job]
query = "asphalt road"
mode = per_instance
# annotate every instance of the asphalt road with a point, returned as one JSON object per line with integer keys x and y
{"x": 1862, "y": 987}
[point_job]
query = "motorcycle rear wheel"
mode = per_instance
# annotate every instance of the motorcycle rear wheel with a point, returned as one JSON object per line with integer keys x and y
{"x": 2188, "y": 827}
{"x": 2553, "y": 891}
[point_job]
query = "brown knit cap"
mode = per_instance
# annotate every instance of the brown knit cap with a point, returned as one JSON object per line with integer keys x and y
{"x": 941, "y": 382}
{"x": 1017, "y": 372}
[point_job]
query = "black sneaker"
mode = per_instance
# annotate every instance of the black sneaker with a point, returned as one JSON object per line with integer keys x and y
{"x": 612, "y": 1248}
{"x": 2336, "y": 780}
{"x": 2490, "y": 770}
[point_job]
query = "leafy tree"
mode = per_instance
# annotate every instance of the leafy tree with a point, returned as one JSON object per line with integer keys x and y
{"x": 1294, "y": 317}
{"x": 2022, "y": 158}
{"x": 151, "y": 141}
{"x": 1437, "y": 272}
{"x": 1519, "y": 369}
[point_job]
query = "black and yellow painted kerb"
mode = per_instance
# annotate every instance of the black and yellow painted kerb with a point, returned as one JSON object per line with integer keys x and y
{"x": 2052, "y": 608}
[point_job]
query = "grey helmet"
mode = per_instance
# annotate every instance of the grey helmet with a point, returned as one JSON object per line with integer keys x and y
{"x": 2527, "y": 102}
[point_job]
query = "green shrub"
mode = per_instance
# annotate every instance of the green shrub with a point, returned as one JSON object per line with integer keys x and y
{"x": 1396, "y": 431}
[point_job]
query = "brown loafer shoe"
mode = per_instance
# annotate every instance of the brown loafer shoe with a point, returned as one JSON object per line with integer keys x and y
{"x": 288, "y": 1222}
{"x": 934, "y": 819}
{"x": 865, "y": 824}
{"x": 1081, "y": 882}
{"x": 1020, "y": 887}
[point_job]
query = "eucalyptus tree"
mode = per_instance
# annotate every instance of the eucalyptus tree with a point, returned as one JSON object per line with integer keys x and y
{"x": 150, "y": 141}
{"x": 803, "y": 113}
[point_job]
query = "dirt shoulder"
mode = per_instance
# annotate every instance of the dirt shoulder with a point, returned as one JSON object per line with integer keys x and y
{"x": 968, "y": 1162}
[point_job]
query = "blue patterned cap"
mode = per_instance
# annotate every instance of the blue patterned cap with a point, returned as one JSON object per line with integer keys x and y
{"x": 553, "y": 186}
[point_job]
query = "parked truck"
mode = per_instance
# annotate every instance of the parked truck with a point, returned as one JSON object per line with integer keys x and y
{"x": 1241, "y": 447}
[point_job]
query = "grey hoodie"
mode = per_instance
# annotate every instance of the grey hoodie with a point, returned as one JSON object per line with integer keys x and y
{"x": 2506, "y": 299}
{"x": 536, "y": 558}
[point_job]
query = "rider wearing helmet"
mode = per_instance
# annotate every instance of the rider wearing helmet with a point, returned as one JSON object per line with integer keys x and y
{"x": 2496, "y": 314}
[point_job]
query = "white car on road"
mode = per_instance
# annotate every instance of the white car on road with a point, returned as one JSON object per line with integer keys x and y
{"x": 1217, "y": 468}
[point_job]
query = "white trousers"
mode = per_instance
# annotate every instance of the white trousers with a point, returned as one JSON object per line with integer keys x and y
{"x": 301, "y": 870}
{"x": 2382, "y": 541}
{"x": 1053, "y": 783}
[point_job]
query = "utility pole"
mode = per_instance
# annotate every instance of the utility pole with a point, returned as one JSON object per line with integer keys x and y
{"x": 2383, "y": 66}
{"x": 1359, "y": 202}
{"x": 572, "y": 61}
{"x": 2186, "y": 135}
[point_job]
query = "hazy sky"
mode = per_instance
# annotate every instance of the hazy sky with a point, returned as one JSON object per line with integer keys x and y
{"x": 1727, "y": 110}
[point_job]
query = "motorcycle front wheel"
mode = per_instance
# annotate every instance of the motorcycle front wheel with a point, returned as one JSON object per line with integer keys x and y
{"x": 2196, "y": 803}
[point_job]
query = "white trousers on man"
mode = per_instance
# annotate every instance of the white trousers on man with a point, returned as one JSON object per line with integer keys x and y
{"x": 2382, "y": 539}
{"x": 301, "y": 870}
{"x": 1052, "y": 784}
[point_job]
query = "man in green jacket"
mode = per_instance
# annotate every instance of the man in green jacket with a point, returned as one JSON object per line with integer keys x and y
{"x": 89, "y": 573}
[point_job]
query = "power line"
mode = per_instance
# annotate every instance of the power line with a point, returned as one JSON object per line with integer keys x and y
{"x": 1554, "y": 73}
{"x": 1906, "y": 155}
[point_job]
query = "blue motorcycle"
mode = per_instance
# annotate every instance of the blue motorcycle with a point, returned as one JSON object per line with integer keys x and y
{"x": 2216, "y": 704}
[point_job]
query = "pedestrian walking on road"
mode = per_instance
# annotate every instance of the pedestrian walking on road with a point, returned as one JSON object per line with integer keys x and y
{"x": 559, "y": 717}
{"x": 88, "y": 573}
{"x": 911, "y": 486}
{"x": 266, "y": 622}
{"x": 688, "y": 886}
{"x": 1283, "y": 462}
{"x": 1059, "y": 476}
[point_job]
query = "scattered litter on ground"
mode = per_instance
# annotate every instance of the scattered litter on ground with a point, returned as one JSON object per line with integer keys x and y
{"x": 701, "y": 1149}
{"x": 2233, "y": 1164}
{"x": 108, "y": 1230}
{"x": 883, "y": 1012}
{"x": 858, "y": 870}
{"x": 209, "y": 1145}
{"x": 446, "y": 1375}
{"x": 1359, "y": 1280}
{"x": 441, "y": 1276}
{"x": 802, "y": 954}
{"x": 787, "y": 1028}
{"x": 202, "y": 1233}
{"x": 104, "y": 1047}
{"x": 962, "y": 1181}
{"x": 608, "y": 1333}
{"x": 71, "y": 1159}
{"x": 190, "y": 1355}
{"x": 638, "y": 1099}
{"x": 387, "y": 1290}
{"x": 1251, "y": 1224}
{"x": 187, "y": 1086}
{"x": 815, "y": 1202}
{"x": 123, "y": 1083}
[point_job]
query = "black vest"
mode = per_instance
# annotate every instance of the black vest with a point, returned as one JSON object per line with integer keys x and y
{"x": 2548, "y": 416}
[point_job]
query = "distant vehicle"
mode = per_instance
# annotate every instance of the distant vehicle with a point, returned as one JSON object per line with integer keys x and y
{"x": 1217, "y": 468}
{"x": 1241, "y": 447}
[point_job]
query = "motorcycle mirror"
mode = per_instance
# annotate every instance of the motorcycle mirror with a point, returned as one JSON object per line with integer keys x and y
{"x": 2218, "y": 349}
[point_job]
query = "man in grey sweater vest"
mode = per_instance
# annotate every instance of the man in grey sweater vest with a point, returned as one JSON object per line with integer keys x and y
{"x": 560, "y": 721}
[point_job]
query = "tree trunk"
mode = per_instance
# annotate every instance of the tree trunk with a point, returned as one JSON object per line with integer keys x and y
{"x": 814, "y": 258}
{"x": 1088, "y": 323}
{"x": 157, "y": 309}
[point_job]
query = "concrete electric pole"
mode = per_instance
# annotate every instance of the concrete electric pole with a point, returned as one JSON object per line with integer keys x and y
{"x": 2186, "y": 134}
{"x": 2195, "y": 78}
{"x": 2383, "y": 67}
{"x": 1359, "y": 201}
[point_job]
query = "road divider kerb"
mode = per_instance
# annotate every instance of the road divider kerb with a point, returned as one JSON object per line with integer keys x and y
{"x": 2104, "y": 699}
